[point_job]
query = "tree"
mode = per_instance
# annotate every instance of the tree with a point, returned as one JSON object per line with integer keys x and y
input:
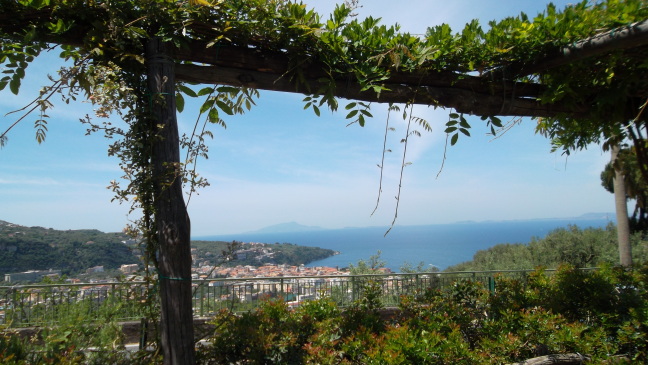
{"x": 520, "y": 66}
{"x": 370, "y": 266}
{"x": 635, "y": 186}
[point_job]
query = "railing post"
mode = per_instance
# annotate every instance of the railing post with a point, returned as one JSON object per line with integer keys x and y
{"x": 491, "y": 284}
{"x": 14, "y": 305}
{"x": 201, "y": 294}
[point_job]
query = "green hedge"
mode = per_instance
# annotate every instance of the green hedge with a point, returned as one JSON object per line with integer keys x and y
{"x": 600, "y": 314}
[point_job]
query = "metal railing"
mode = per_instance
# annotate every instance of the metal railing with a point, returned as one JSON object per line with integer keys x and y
{"x": 29, "y": 305}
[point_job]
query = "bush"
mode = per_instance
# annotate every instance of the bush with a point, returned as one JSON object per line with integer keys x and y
{"x": 270, "y": 334}
{"x": 599, "y": 313}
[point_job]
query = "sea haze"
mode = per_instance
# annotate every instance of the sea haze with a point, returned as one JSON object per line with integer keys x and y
{"x": 441, "y": 245}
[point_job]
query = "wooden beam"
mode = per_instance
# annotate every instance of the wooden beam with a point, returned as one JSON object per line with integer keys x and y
{"x": 463, "y": 100}
{"x": 632, "y": 36}
{"x": 278, "y": 63}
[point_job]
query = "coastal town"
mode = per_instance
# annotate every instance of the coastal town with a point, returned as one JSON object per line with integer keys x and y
{"x": 215, "y": 287}
{"x": 90, "y": 256}
{"x": 233, "y": 275}
{"x": 203, "y": 271}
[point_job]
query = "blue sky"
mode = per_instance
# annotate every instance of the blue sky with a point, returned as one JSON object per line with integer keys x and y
{"x": 279, "y": 163}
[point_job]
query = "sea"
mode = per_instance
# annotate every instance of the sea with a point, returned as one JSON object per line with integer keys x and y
{"x": 439, "y": 245}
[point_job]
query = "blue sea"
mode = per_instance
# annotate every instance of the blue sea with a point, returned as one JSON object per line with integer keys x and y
{"x": 441, "y": 245}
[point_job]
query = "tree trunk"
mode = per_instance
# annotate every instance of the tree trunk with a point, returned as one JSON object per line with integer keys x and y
{"x": 621, "y": 205}
{"x": 172, "y": 220}
{"x": 563, "y": 359}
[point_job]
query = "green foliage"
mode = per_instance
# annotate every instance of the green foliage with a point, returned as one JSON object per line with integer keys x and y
{"x": 370, "y": 266}
{"x": 456, "y": 124}
{"x": 81, "y": 335}
{"x": 365, "y": 49}
{"x": 280, "y": 253}
{"x": 13, "y": 349}
{"x": 72, "y": 251}
{"x": 579, "y": 247}
{"x": 600, "y": 314}
{"x": 408, "y": 268}
{"x": 271, "y": 334}
{"x": 636, "y": 187}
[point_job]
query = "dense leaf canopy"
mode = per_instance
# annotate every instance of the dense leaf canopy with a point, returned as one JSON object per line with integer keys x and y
{"x": 581, "y": 67}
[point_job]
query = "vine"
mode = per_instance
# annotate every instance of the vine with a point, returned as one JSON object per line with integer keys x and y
{"x": 514, "y": 60}
{"x": 381, "y": 166}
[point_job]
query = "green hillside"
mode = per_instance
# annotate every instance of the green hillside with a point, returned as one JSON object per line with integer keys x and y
{"x": 72, "y": 251}
{"x": 579, "y": 247}
{"x": 257, "y": 254}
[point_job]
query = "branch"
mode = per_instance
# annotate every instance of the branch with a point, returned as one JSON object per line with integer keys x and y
{"x": 564, "y": 359}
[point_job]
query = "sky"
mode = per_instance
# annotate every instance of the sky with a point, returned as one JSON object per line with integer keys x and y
{"x": 279, "y": 163}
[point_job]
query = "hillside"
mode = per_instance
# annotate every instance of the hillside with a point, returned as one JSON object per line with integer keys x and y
{"x": 257, "y": 254}
{"x": 72, "y": 251}
{"x": 579, "y": 247}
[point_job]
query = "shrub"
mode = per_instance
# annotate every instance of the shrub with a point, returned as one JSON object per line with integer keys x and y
{"x": 599, "y": 313}
{"x": 270, "y": 334}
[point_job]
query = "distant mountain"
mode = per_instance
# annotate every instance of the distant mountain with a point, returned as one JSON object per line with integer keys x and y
{"x": 609, "y": 216}
{"x": 287, "y": 227}
{"x": 293, "y": 227}
{"x": 586, "y": 216}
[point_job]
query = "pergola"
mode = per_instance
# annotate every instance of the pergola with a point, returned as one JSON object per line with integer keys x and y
{"x": 206, "y": 53}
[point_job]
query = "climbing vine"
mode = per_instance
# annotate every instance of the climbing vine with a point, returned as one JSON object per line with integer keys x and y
{"x": 521, "y": 65}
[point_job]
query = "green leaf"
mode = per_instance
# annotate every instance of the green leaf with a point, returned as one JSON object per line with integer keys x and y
{"x": 208, "y": 104}
{"x": 227, "y": 89}
{"x": 496, "y": 121}
{"x": 213, "y": 116}
{"x": 205, "y": 91}
{"x": 464, "y": 124}
{"x": 361, "y": 120}
{"x": 464, "y": 131}
{"x": 352, "y": 114}
{"x": 224, "y": 107}
{"x": 450, "y": 129}
{"x": 316, "y": 109}
{"x": 366, "y": 112}
{"x": 14, "y": 85}
{"x": 454, "y": 115}
{"x": 180, "y": 102}
{"x": 350, "y": 106}
{"x": 186, "y": 90}
{"x": 454, "y": 139}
